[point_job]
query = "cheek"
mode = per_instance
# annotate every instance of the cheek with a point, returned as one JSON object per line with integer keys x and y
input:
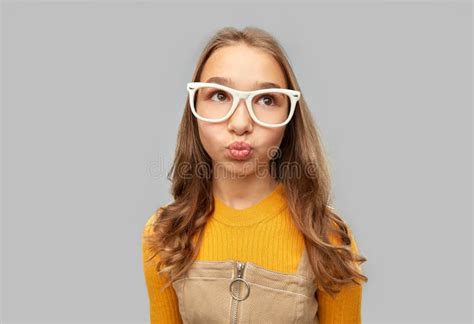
{"x": 210, "y": 136}
{"x": 270, "y": 139}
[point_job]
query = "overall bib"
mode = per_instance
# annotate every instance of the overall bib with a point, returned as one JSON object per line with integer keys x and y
{"x": 234, "y": 292}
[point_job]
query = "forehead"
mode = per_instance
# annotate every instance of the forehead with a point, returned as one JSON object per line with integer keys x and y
{"x": 243, "y": 68}
{"x": 230, "y": 83}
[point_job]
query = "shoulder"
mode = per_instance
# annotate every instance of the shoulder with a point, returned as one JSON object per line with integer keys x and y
{"x": 152, "y": 219}
{"x": 336, "y": 239}
{"x": 148, "y": 236}
{"x": 150, "y": 222}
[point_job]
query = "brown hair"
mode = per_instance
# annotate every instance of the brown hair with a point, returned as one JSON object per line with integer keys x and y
{"x": 176, "y": 235}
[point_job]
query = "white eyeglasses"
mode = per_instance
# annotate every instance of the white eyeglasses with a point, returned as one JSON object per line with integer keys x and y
{"x": 215, "y": 103}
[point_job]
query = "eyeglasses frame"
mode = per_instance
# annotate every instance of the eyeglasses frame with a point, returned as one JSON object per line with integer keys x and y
{"x": 294, "y": 96}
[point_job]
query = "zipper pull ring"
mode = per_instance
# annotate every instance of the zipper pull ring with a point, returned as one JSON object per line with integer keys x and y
{"x": 240, "y": 270}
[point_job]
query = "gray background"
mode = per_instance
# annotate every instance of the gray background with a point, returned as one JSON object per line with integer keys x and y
{"x": 92, "y": 94}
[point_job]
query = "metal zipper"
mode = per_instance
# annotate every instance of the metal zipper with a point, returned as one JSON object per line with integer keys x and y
{"x": 237, "y": 280}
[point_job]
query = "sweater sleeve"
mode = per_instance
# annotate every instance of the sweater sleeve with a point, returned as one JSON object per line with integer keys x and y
{"x": 345, "y": 308}
{"x": 163, "y": 306}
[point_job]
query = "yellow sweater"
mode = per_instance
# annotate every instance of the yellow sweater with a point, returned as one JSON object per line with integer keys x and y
{"x": 260, "y": 234}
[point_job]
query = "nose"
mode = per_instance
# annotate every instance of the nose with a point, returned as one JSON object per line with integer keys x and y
{"x": 240, "y": 121}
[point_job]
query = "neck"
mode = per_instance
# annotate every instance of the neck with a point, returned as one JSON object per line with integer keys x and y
{"x": 241, "y": 193}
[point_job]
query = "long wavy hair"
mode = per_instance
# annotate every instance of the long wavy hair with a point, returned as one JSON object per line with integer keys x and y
{"x": 176, "y": 231}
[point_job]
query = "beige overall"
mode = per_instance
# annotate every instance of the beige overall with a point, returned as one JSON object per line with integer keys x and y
{"x": 242, "y": 292}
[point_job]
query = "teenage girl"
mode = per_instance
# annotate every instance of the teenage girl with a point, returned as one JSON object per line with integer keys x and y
{"x": 250, "y": 236}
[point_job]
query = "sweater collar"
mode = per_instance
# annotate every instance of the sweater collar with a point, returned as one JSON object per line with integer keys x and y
{"x": 272, "y": 205}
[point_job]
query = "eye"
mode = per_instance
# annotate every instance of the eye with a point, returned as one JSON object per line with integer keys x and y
{"x": 267, "y": 100}
{"x": 220, "y": 95}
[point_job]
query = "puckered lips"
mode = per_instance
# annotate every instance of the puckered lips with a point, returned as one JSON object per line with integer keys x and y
{"x": 240, "y": 150}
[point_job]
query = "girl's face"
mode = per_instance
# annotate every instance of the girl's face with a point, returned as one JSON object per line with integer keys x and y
{"x": 244, "y": 67}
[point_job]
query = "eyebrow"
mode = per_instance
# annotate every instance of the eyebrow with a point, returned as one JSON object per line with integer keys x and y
{"x": 228, "y": 82}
